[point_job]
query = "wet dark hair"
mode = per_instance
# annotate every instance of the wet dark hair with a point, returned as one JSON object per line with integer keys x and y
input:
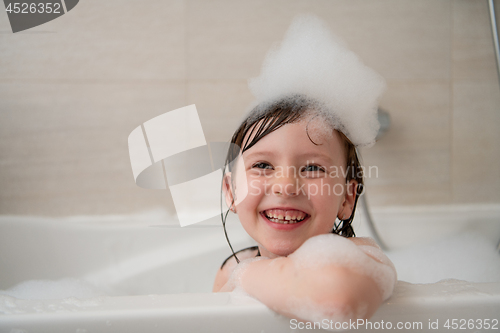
{"x": 267, "y": 118}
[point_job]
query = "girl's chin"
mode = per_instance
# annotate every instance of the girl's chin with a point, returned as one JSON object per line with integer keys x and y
{"x": 274, "y": 251}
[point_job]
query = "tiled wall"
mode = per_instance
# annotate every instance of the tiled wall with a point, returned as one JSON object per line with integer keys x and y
{"x": 73, "y": 89}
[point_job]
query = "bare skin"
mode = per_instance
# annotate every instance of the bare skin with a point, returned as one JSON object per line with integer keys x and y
{"x": 275, "y": 281}
{"x": 274, "y": 195}
{"x": 224, "y": 273}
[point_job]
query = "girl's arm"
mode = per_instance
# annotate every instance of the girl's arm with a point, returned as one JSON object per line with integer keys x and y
{"x": 327, "y": 292}
{"x": 346, "y": 279}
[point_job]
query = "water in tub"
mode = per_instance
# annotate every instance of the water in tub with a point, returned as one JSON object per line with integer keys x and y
{"x": 82, "y": 259}
{"x": 466, "y": 255}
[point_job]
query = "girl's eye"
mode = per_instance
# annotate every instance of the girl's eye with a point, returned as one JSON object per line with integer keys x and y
{"x": 262, "y": 165}
{"x": 313, "y": 168}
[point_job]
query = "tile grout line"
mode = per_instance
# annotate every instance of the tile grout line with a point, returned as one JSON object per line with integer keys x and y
{"x": 451, "y": 107}
{"x": 186, "y": 53}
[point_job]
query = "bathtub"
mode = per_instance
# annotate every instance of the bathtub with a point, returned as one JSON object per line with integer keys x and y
{"x": 145, "y": 273}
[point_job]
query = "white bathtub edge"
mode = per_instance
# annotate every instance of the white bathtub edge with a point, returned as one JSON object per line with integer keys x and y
{"x": 424, "y": 303}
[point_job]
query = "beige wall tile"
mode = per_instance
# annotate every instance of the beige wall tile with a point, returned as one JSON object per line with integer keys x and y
{"x": 408, "y": 177}
{"x": 400, "y": 39}
{"x": 64, "y": 147}
{"x": 72, "y": 90}
{"x": 221, "y": 106}
{"x": 476, "y": 157}
{"x": 473, "y": 52}
{"x": 100, "y": 40}
{"x": 420, "y": 115}
{"x": 413, "y": 157}
{"x": 409, "y": 194}
{"x": 409, "y": 167}
{"x": 228, "y": 39}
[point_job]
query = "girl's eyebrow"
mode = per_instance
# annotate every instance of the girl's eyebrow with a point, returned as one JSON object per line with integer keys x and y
{"x": 260, "y": 154}
{"x": 306, "y": 155}
{"x": 316, "y": 155}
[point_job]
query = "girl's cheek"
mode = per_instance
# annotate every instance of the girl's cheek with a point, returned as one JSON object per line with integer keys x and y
{"x": 323, "y": 189}
{"x": 255, "y": 187}
{"x": 254, "y": 192}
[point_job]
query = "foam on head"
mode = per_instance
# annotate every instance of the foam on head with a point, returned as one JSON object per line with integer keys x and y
{"x": 311, "y": 62}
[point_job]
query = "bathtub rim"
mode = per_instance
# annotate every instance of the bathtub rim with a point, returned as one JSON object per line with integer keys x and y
{"x": 222, "y": 312}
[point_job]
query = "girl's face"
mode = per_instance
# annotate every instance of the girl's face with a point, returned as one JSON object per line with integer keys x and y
{"x": 295, "y": 188}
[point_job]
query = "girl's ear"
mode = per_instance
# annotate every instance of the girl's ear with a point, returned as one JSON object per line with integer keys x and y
{"x": 228, "y": 192}
{"x": 349, "y": 199}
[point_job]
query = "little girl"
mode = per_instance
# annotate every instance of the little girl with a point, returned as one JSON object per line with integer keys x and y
{"x": 296, "y": 172}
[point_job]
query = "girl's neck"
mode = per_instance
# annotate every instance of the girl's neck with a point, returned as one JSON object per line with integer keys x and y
{"x": 265, "y": 253}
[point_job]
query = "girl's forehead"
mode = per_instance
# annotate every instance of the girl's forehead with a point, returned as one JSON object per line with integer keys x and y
{"x": 320, "y": 131}
{"x": 315, "y": 132}
{"x": 311, "y": 122}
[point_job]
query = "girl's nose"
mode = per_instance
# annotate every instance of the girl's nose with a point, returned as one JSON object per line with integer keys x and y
{"x": 285, "y": 186}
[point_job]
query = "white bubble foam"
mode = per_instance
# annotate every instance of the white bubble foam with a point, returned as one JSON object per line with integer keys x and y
{"x": 311, "y": 62}
{"x": 367, "y": 259}
{"x": 49, "y": 289}
{"x": 234, "y": 282}
{"x": 306, "y": 309}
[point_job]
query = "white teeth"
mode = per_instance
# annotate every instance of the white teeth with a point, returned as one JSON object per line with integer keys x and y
{"x": 291, "y": 218}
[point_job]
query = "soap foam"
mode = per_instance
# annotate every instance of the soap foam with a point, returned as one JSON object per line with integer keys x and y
{"x": 311, "y": 62}
{"x": 331, "y": 249}
{"x": 306, "y": 309}
{"x": 367, "y": 260}
{"x": 234, "y": 282}
{"x": 49, "y": 289}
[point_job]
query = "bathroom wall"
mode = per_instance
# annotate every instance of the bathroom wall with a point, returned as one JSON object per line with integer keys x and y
{"x": 73, "y": 89}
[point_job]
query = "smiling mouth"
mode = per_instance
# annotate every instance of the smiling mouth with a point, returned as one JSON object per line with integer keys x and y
{"x": 282, "y": 216}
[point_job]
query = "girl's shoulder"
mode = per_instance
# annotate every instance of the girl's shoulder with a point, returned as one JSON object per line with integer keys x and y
{"x": 364, "y": 241}
{"x": 229, "y": 265}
